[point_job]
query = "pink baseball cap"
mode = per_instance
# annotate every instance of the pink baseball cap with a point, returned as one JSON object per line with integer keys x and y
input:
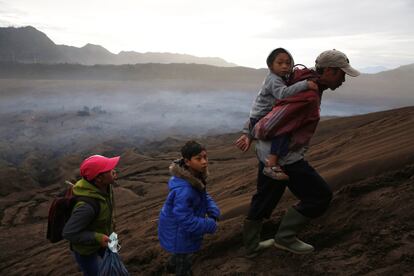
{"x": 96, "y": 164}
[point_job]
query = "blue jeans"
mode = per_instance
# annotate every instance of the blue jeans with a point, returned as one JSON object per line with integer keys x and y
{"x": 89, "y": 264}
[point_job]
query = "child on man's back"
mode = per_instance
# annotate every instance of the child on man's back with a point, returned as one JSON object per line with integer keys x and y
{"x": 280, "y": 64}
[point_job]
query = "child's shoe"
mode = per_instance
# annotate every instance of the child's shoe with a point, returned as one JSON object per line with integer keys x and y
{"x": 275, "y": 172}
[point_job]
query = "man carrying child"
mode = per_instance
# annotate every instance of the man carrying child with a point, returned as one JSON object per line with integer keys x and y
{"x": 304, "y": 182}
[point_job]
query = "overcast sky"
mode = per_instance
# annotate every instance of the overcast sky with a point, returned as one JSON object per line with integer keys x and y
{"x": 370, "y": 32}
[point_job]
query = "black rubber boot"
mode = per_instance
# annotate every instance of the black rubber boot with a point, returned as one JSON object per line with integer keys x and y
{"x": 286, "y": 239}
{"x": 251, "y": 238}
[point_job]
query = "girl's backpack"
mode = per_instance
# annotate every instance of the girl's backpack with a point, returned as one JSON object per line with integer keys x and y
{"x": 61, "y": 209}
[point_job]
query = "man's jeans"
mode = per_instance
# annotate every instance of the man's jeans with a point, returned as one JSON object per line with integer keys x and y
{"x": 305, "y": 183}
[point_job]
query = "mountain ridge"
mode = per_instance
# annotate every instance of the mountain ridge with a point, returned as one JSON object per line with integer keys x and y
{"x": 392, "y": 88}
{"x": 29, "y": 45}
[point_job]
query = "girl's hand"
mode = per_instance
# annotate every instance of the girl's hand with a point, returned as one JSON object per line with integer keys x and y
{"x": 105, "y": 240}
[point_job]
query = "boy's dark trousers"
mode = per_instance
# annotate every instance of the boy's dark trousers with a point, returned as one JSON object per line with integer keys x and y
{"x": 180, "y": 264}
{"x": 305, "y": 183}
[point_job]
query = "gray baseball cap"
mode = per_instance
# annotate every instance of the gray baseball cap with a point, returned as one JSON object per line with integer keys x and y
{"x": 335, "y": 58}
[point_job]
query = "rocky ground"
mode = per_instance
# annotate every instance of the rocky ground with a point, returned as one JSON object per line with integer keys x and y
{"x": 368, "y": 160}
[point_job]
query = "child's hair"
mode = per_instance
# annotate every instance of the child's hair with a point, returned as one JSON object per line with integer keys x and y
{"x": 273, "y": 54}
{"x": 191, "y": 148}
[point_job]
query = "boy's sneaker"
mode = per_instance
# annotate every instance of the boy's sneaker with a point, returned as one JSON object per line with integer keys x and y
{"x": 275, "y": 172}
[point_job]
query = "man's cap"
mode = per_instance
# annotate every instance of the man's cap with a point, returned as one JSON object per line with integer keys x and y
{"x": 335, "y": 58}
{"x": 96, "y": 164}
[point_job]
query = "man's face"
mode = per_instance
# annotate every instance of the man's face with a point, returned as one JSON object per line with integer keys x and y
{"x": 333, "y": 77}
{"x": 198, "y": 163}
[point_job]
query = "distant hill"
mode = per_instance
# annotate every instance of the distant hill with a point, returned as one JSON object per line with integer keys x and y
{"x": 28, "y": 45}
{"x": 373, "y": 69}
{"x": 201, "y": 77}
{"x": 390, "y": 88}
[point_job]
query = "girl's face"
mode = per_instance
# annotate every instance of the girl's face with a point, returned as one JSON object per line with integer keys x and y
{"x": 106, "y": 178}
{"x": 282, "y": 65}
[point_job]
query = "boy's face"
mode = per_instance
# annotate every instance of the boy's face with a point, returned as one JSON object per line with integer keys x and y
{"x": 282, "y": 65}
{"x": 198, "y": 163}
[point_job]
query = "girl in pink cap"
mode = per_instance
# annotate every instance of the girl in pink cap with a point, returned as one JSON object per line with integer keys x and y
{"x": 91, "y": 221}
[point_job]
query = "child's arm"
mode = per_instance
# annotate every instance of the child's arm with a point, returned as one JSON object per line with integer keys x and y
{"x": 280, "y": 90}
{"x": 184, "y": 215}
{"x": 212, "y": 209}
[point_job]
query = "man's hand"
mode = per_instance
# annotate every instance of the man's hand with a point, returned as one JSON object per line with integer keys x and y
{"x": 243, "y": 143}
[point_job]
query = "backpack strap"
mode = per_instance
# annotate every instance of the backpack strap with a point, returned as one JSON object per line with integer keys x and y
{"x": 299, "y": 66}
{"x": 94, "y": 202}
{"x": 300, "y": 74}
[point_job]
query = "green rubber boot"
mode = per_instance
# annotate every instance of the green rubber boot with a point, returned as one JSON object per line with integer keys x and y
{"x": 251, "y": 238}
{"x": 286, "y": 239}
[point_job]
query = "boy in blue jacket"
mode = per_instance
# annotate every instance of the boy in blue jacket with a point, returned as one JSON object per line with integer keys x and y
{"x": 188, "y": 212}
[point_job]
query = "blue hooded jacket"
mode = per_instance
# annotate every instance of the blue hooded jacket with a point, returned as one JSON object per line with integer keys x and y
{"x": 188, "y": 213}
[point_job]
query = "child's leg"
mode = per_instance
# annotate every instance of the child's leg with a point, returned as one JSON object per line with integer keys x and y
{"x": 88, "y": 264}
{"x": 279, "y": 147}
{"x": 284, "y": 142}
{"x": 171, "y": 264}
{"x": 183, "y": 264}
{"x": 271, "y": 160}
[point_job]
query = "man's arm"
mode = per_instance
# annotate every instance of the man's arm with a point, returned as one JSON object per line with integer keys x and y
{"x": 245, "y": 140}
{"x": 243, "y": 143}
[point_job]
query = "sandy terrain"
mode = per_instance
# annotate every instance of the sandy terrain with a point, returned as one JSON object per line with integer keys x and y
{"x": 369, "y": 230}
